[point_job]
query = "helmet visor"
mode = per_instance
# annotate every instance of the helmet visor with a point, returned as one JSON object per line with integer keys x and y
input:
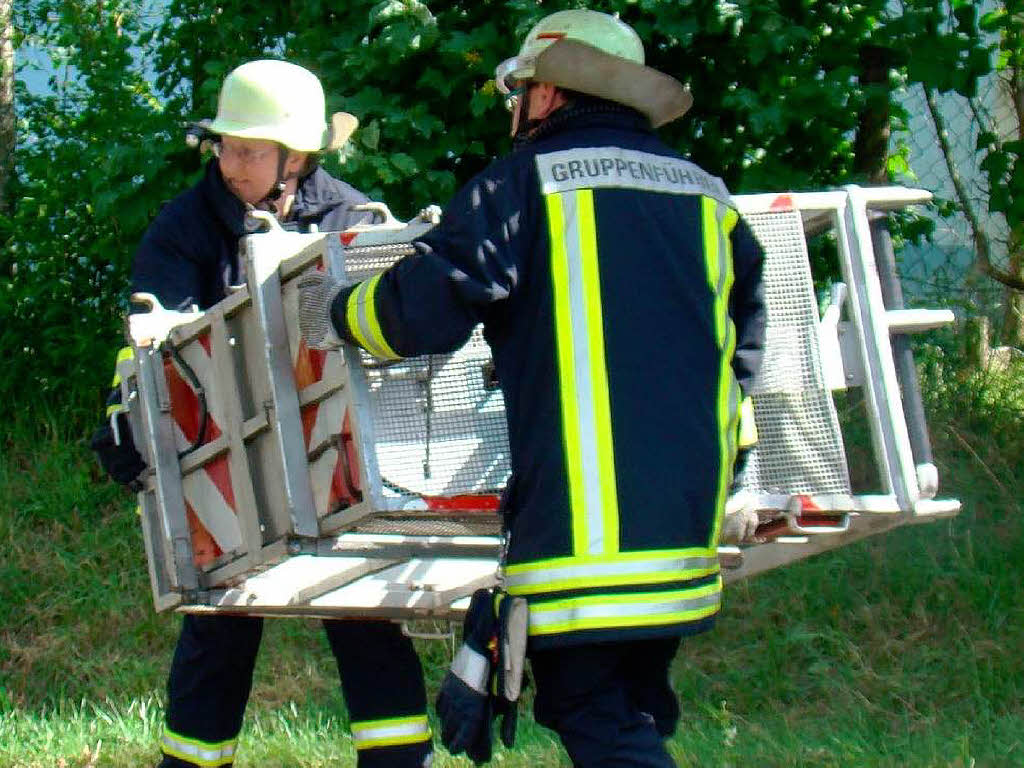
{"x": 508, "y": 74}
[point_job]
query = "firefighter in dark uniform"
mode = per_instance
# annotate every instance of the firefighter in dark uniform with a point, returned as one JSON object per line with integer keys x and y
{"x": 621, "y": 295}
{"x": 267, "y": 135}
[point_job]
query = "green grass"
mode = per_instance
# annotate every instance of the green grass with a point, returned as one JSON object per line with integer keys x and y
{"x": 903, "y": 650}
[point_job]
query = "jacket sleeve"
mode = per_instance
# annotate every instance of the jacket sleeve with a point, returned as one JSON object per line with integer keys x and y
{"x": 746, "y": 305}
{"x": 166, "y": 266}
{"x": 430, "y": 301}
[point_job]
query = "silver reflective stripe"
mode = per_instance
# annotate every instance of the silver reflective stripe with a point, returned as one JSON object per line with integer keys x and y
{"x": 594, "y": 613}
{"x": 584, "y": 392}
{"x": 657, "y": 569}
{"x": 604, "y": 167}
{"x": 472, "y": 668}
{"x": 201, "y": 753}
{"x": 390, "y": 732}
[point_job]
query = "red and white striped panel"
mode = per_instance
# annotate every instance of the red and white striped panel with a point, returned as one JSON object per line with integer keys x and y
{"x": 209, "y": 495}
{"x": 335, "y": 481}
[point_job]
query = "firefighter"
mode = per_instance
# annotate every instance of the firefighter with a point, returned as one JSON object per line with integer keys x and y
{"x": 621, "y": 295}
{"x": 266, "y": 138}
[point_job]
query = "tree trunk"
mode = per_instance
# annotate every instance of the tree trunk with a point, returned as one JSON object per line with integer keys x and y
{"x": 1013, "y": 315}
{"x": 7, "y": 136}
{"x": 871, "y": 144}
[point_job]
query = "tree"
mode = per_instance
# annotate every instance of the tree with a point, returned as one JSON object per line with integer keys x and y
{"x": 788, "y": 94}
{"x": 6, "y": 99}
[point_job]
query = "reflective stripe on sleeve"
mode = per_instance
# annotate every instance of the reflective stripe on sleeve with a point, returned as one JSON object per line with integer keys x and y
{"x": 201, "y": 753}
{"x": 718, "y": 221}
{"x": 624, "y": 569}
{"x": 596, "y": 612}
{"x": 390, "y": 732}
{"x": 124, "y": 353}
{"x": 362, "y": 321}
{"x": 748, "y": 427}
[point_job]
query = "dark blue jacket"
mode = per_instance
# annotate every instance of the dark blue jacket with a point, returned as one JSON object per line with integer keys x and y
{"x": 621, "y": 295}
{"x": 189, "y": 254}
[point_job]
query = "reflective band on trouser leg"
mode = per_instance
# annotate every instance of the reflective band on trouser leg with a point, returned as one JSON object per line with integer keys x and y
{"x": 622, "y": 569}
{"x": 624, "y": 611}
{"x": 390, "y": 732}
{"x": 203, "y": 753}
{"x": 361, "y": 318}
{"x": 717, "y": 222}
{"x": 583, "y": 375}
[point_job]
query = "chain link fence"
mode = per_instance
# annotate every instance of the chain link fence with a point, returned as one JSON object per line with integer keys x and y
{"x": 941, "y": 139}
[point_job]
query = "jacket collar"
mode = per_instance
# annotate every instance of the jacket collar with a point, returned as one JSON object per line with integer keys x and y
{"x": 317, "y": 194}
{"x": 589, "y": 116}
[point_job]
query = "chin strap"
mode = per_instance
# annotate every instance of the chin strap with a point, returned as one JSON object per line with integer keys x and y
{"x": 277, "y": 190}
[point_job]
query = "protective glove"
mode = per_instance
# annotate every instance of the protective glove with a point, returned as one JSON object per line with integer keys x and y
{"x": 464, "y": 702}
{"x": 317, "y": 291}
{"x": 740, "y": 522}
{"x": 121, "y": 461}
{"x": 513, "y": 627}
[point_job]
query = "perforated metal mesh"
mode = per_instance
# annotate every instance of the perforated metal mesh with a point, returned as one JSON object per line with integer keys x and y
{"x": 800, "y": 446}
{"x": 438, "y": 420}
{"x": 405, "y": 525}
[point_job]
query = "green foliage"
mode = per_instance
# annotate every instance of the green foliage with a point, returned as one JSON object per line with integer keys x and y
{"x": 1002, "y": 155}
{"x": 778, "y": 88}
{"x": 91, "y": 170}
{"x": 903, "y": 649}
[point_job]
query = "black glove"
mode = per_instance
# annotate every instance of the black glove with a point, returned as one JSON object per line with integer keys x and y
{"x": 464, "y": 702}
{"x": 486, "y": 676}
{"x": 122, "y": 462}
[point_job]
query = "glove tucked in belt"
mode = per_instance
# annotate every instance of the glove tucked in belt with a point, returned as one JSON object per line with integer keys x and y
{"x": 485, "y": 678}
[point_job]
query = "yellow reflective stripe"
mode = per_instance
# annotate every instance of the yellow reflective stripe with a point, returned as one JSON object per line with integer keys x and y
{"x": 622, "y": 569}
{"x": 566, "y": 369}
{"x": 202, "y": 753}
{"x": 583, "y": 375}
{"x": 361, "y": 318}
{"x": 625, "y": 611}
{"x": 748, "y": 427}
{"x": 113, "y": 407}
{"x": 390, "y": 732}
{"x": 718, "y": 221}
{"x": 124, "y": 353}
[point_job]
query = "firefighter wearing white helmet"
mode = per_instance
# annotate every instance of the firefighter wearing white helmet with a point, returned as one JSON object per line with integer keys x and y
{"x": 270, "y": 102}
{"x": 268, "y": 132}
{"x": 621, "y": 294}
{"x": 590, "y": 53}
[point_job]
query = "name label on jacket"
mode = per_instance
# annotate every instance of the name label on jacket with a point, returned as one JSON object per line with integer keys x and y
{"x": 595, "y": 167}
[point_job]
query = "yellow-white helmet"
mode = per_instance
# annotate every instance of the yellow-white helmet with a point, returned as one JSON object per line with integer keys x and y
{"x": 597, "y": 54}
{"x": 282, "y": 102}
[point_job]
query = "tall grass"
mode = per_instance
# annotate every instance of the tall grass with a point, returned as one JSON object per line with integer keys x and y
{"x": 903, "y": 650}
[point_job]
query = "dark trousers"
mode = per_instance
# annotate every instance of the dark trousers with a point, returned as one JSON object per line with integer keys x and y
{"x": 610, "y": 703}
{"x": 211, "y": 676}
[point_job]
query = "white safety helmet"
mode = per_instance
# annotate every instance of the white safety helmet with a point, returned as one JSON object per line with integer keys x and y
{"x": 282, "y": 102}
{"x": 596, "y": 54}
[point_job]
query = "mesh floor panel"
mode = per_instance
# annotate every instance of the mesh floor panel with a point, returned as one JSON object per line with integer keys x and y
{"x": 800, "y": 446}
{"x": 438, "y": 420}
{"x": 481, "y": 525}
